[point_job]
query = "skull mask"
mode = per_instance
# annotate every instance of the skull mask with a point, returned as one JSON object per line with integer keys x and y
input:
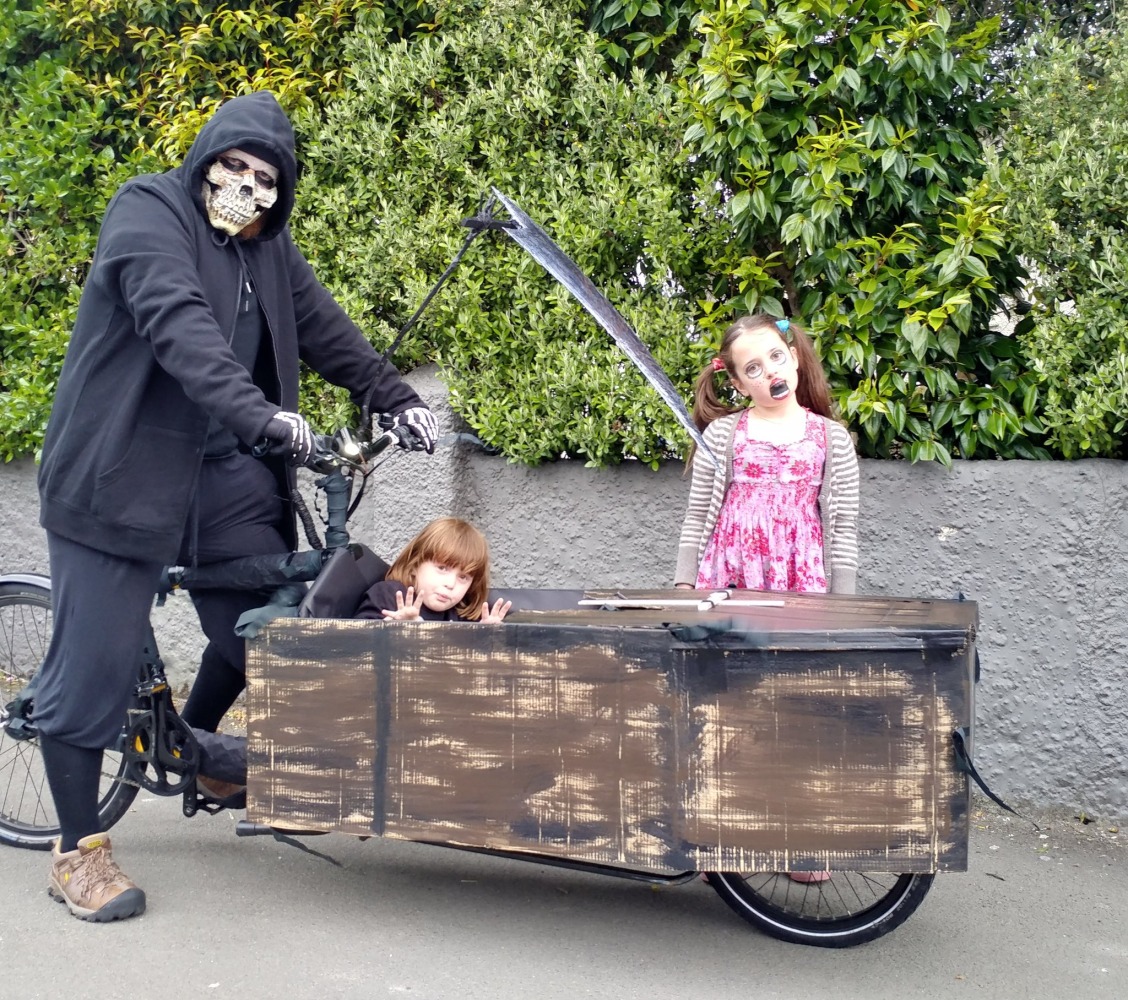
{"x": 238, "y": 189}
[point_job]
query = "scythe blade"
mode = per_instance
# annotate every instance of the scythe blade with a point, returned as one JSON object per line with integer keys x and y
{"x": 539, "y": 245}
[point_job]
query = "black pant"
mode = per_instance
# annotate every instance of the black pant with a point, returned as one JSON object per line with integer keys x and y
{"x": 101, "y": 619}
{"x": 238, "y": 513}
{"x": 102, "y": 607}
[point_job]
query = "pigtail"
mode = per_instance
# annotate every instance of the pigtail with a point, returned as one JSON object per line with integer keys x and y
{"x": 708, "y": 404}
{"x": 814, "y": 388}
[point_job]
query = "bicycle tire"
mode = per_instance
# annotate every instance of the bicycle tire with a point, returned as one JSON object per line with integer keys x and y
{"x": 849, "y": 908}
{"x": 27, "y": 811}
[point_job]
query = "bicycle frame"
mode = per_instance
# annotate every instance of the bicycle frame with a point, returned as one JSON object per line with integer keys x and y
{"x": 258, "y": 572}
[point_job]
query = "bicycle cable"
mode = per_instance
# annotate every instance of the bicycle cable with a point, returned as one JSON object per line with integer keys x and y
{"x": 306, "y": 518}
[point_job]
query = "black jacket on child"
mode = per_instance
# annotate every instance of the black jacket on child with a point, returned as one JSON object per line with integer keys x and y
{"x": 382, "y": 597}
{"x": 150, "y": 361}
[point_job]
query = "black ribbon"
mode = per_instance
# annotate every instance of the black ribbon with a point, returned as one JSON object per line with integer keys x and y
{"x": 964, "y": 763}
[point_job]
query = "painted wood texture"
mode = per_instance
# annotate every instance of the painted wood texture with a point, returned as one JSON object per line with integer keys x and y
{"x": 816, "y": 734}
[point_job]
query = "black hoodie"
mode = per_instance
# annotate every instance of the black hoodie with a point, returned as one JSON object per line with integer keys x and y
{"x": 149, "y": 360}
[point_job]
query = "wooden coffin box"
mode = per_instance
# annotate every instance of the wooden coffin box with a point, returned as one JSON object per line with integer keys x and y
{"x": 766, "y": 732}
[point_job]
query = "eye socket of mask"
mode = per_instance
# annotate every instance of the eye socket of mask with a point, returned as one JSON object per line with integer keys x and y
{"x": 237, "y": 166}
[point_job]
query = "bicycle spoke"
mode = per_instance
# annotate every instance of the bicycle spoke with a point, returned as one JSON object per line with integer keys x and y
{"x": 25, "y": 798}
{"x": 842, "y": 895}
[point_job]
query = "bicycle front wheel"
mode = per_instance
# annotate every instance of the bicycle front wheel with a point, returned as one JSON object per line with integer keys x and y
{"x": 846, "y": 909}
{"x": 27, "y": 812}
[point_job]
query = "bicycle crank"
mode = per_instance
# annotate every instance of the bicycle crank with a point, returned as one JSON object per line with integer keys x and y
{"x": 161, "y": 753}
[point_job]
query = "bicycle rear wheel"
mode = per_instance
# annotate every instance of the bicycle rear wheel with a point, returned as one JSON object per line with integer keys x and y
{"x": 847, "y": 909}
{"x": 27, "y": 812}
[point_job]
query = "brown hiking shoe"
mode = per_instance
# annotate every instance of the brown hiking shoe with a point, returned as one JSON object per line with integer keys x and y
{"x": 89, "y": 881}
{"x": 225, "y": 793}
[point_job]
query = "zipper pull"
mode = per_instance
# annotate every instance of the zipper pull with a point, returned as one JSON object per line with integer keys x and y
{"x": 247, "y": 298}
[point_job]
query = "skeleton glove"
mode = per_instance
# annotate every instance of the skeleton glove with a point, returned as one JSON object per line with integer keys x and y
{"x": 423, "y": 426}
{"x": 290, "y": 430}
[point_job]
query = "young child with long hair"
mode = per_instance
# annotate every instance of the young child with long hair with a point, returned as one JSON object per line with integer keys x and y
{"x": 442, "y": 575}
{"x": 781, "y": 513}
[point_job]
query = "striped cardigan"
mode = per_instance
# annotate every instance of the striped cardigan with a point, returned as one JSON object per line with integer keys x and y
{"x": 838, "y": 504}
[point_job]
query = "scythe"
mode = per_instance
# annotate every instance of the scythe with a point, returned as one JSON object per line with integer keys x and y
{"x": 539, "y": 245}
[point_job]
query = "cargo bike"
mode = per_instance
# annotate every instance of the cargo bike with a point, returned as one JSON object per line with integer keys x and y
{"x": 651, "y": 735}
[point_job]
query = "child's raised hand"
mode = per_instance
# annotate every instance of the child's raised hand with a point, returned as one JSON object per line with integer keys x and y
{"x": 496, "y": 615}
{"x": 406, "y": 610}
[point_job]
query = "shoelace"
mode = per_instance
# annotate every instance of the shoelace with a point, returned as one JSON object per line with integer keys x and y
{"x": 102, "y": 871}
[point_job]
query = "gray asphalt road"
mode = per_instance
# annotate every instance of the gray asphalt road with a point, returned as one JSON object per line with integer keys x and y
{"x": 1039, "y": 915}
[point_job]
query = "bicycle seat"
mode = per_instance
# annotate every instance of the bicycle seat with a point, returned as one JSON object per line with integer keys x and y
{"x": 342, "y": 582}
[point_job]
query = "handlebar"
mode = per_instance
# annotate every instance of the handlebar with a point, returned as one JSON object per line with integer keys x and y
{"x": 331, "y": 451}
{"x": 342, "y": 448}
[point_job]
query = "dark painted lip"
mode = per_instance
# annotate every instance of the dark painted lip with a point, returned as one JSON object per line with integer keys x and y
{"x": 779, "y": 388}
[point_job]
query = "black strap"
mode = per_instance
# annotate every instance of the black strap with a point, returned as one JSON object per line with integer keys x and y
{"x": 701, "y": 631}
{"x": 283, "y": 604}
{"x": 964, "y": 763}
{"x": 477, "y": 225}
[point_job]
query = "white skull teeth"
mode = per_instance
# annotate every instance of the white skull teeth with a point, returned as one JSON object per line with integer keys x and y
{"x": 234, "y": 200}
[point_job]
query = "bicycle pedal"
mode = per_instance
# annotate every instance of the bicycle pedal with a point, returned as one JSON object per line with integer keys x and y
{"x": 194, "y": 802}
{"x": 19, "y": 729}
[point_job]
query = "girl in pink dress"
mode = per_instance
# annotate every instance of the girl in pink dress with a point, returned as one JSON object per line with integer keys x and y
{"x": 769, "y": 535}
{"x": 781, "y": 510}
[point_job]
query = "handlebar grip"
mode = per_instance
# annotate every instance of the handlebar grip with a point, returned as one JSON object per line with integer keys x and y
{"x": 400, "y": 437}
{"x": 245, "y": 828}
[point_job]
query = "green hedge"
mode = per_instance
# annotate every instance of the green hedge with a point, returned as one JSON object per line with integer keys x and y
{"x": 95, "y": 91}
{"x": 518, "y": 98}
{"x": 1064, "y": 153}
{"x": 697, "y": 159}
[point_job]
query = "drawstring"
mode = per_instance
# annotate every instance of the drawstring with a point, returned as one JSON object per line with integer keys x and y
{"x": 244, "y": 303}
{"x": 194, "y": 529}
{"x": 219, "y": 239}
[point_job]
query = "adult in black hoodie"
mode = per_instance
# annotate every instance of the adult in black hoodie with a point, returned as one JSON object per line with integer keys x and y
{"x": 184, "y": 353}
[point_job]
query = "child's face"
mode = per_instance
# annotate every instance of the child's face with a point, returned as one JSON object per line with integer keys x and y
{"x": 764, "y": 368}
{"x": 441, "y": 585}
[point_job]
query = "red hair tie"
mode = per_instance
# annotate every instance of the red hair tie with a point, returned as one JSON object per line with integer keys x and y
{"x": 718, "y": 364}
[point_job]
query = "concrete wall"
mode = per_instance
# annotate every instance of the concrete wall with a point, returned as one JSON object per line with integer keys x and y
{"x": 1041, "y": 547}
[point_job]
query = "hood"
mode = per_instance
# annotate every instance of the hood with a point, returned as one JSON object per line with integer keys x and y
{"x": 256, "y": 123}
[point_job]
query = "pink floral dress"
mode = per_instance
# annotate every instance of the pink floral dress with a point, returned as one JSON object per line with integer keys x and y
{"x": 769, "y": 533}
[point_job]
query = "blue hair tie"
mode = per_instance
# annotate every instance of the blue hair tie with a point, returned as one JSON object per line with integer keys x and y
{"x": 783, "y": 325}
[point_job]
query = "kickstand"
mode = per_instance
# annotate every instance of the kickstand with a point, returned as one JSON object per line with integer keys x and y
{"x": 292, "y": 842}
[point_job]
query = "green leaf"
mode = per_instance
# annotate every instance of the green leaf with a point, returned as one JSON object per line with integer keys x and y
{"x": 949, "y": 340}
{"x": 917, "y": 337}
{"x": 739, "y": 204}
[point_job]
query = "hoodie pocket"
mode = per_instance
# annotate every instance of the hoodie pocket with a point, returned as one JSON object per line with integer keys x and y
{"x": 148, "y": 487}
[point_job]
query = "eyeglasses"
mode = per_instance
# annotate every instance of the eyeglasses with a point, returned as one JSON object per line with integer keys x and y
{"x": 777, "y": 358}
{"x": 237, "y": 166}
